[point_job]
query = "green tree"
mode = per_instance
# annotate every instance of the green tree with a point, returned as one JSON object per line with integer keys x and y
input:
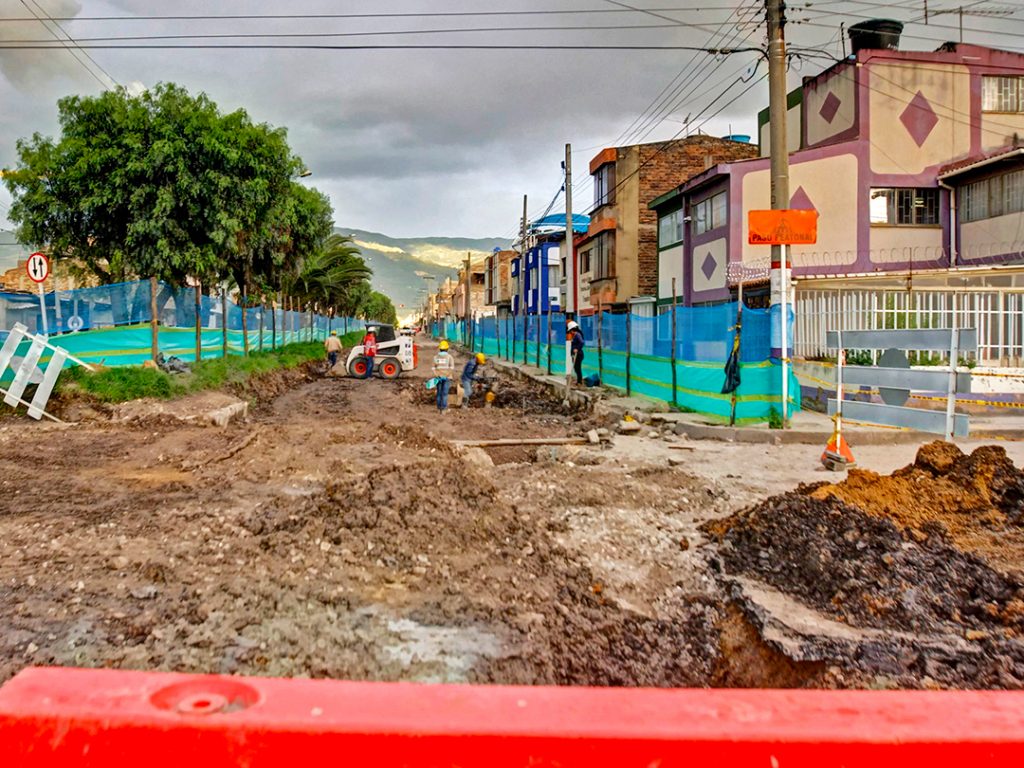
{"x": 163, "y": 186}
{"x": 380, "y": 308}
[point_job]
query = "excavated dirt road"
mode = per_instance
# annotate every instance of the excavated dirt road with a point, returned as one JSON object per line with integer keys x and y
{"x": 337, "y": 533}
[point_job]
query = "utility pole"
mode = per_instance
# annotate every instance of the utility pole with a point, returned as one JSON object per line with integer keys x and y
{"x": 572, "y": 299}
{"x": 522, "y": 278}
{"x": 779, "y": 176}
{"x": 468, "y": 315}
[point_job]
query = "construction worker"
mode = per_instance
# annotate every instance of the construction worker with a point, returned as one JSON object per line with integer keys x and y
{"x": 444, "y": 372}
{"x": 470, "y": 374}
{"x": 575, "y": 338}
{"x": 370, "y": 348}
{"x": 332, "y": 346}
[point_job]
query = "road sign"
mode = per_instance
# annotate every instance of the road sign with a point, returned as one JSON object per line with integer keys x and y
{"x": 38, "y": 267}
{"x": 787, "y": 227}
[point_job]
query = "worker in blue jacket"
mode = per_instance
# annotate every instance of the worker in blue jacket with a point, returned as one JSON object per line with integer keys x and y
{"x": 576, "y": 347}
{"x": 471, "y": 374}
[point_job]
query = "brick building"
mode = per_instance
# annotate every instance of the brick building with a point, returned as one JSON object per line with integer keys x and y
{"x": 498, "y": 281}
{"x": 618, "y": 258}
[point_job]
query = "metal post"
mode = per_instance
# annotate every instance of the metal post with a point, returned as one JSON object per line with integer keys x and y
{"x": 263, "y": 306}
{"x": 629, "y": 347}
{"x": 784, "y": 328}
{"x": 951, "y": 389}
{"x": 673, "y": 356}
{"x": 600, "y": 361}
{"x": 199, "y": 320}
{"x": 779, "y": 151}
{"x": 571, "y": 273}
{"x": 154, "y": 318}
{"x": 224, "y": 319}
{"x": 522, "y": 278}
{"x": 549, "y": 338}
{"x": 841, "y": 360}
{"x": 467, "y": 308}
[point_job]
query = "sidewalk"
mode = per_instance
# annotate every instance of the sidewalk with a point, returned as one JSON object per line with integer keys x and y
{"x": 809, "y": 427}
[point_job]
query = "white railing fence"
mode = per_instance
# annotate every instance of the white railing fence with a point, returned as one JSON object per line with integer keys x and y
{"x": 997, "y": 314}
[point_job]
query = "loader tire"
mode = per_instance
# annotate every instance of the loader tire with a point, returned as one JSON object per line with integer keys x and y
{"x": 359, "y": 368}
{"x": 390, "y": 369}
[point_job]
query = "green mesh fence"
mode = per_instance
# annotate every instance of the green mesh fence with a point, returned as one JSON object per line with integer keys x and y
{"x": 704, "y": 339}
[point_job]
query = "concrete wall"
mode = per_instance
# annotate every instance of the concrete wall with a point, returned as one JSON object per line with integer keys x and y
{"x": 918, "y": 115}
{"x": 986, "y": 238}
{"x": 830, "y": 107}
{"x": 670, "y": 265}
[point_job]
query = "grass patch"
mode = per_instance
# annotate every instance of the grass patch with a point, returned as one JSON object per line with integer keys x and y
{"x": 118, "y": 385}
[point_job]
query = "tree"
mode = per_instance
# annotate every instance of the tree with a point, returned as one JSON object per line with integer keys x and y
{"x": 379, "y": 307}
{"x": 163, "y": 186}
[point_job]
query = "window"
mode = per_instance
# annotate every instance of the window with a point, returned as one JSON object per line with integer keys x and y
{"x": 988, "y": 198}
{"x": 603, "y": 256}
{"x": 905, "y": 207}
{"x": 1002, "y": 93}
{"x": 585, "y": 261}
{"x": 670, "y": 229}
{"x": 604, "y": 185}
{"x": 711, "y": 213}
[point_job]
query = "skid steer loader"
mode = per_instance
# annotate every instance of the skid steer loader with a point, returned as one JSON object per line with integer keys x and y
{"x": 395, "y": 354}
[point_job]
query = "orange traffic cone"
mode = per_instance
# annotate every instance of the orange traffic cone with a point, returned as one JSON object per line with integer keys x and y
{"x": 837, "y": 453}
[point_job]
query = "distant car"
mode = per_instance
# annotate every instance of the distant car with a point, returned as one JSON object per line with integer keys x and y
{"x": 407, "y": 331}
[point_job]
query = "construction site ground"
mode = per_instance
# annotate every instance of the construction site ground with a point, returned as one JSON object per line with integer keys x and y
{"x": 336, "y": 531}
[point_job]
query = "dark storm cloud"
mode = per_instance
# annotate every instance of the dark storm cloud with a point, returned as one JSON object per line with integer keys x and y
{"x": 415, "y": 142}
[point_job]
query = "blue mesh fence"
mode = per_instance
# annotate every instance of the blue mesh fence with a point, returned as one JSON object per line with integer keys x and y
{"x": 127, "y": 304}
{"x": 616, "y": 343}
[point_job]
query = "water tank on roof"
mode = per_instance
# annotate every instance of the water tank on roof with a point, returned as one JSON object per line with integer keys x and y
{"x": 876, "y": 34}
{"x": 743, "y": 138}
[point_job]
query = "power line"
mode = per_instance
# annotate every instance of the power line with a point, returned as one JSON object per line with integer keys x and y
{"x": 46, "y": 46}
{"x": 371, "y": 33}
{"x": 64, "y": 44}
{"x": 395, "y": 15}
{"x": 670, "y": 91}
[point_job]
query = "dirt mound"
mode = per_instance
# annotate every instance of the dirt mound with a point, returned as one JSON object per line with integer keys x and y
{"x": 867, "y": 571}
{"x": 976, "y": 500}
{"x": 931, "y": 551}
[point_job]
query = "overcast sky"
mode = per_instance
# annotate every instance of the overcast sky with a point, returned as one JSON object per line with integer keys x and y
{"x": 446, "y": 142}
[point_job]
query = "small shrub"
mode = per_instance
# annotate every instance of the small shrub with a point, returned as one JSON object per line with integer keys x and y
{"x": 774, "y": 419}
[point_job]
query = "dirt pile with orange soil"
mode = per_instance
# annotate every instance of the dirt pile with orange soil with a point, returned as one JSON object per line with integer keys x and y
{"x": 933, "y": 552}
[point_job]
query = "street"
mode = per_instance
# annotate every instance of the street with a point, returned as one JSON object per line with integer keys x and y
{"x": 337, "y": 533}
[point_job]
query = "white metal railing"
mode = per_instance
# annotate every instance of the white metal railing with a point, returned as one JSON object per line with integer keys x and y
{"x": 997, "y": 314}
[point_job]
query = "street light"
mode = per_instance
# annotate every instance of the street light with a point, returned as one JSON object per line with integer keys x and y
{"x": 305, "y": 172}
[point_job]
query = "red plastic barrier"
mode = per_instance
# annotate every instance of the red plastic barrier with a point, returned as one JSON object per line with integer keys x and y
{"x": 72, "y": 717}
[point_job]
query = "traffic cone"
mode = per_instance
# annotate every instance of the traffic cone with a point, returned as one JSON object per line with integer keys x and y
{"x": 837, "y": 453}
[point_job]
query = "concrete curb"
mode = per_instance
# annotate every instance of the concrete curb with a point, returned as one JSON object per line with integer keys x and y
{"x": 694, "y": 431}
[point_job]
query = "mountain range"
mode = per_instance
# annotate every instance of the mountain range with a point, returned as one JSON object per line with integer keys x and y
{"x": 399, "y": 264}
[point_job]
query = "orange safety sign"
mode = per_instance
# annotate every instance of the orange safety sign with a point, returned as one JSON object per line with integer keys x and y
{"x": 787, "y": 227}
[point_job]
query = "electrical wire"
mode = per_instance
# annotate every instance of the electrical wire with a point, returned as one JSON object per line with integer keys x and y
{"x": 393, "y": 15}
{"x": 371, "y": 33}
{"x": 670, "y": 98}
{"x": 64, "y": 45}
{"x": 46, "y": 46}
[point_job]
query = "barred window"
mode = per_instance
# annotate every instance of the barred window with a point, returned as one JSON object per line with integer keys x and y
{"x": 907, "y": 207}
{"x": 1002, "y": 93}
{"x": 996, "y": 196}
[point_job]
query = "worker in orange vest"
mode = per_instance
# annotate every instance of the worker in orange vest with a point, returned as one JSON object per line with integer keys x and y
{"x": 370, "y": 347}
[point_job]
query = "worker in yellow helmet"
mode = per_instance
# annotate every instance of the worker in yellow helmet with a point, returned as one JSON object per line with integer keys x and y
{"x": 471, "y": 374}
{"x": 444, "y": 372}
